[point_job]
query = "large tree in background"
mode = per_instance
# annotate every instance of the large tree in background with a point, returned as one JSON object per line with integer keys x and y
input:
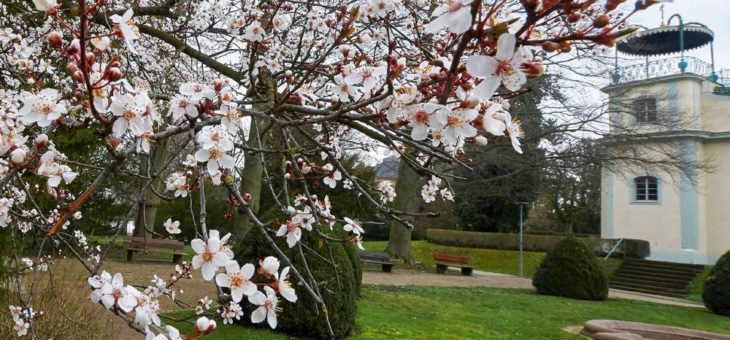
{"x": 486, "y": 200}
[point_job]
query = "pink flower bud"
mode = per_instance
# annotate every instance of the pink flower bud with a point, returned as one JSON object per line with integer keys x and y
{"x": 218, "y": 85}
{"x": 78, "y": 76}
{"x": 90, "y": 57}
{"x": 113, "y": 74}
{"x": 480, "y": 140}
{"x": 74, "y": 47}
{"x": 18, "y": 155}
{"x": 71, "y": 67}
{"x": 204, "y": 325}
{"x": 41, "y": 141}
{"x": 247, "y": 197}
{"x": 55, "y": 39}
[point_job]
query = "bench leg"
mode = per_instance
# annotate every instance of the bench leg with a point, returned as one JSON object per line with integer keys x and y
{"x": 387, "y": 267}
{"x": 441, "y": 269}
{"x": 465, "y": 271}
{"x": 130, "y": 254}
{"x": 176, "y": 258}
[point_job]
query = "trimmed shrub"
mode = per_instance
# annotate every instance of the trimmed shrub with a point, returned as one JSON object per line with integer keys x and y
{"x": 507, "y": 241}
{"x": 354, "y": 254}
{"x": 716, "y": 292}
{"x": 336, "y": 281}
{"x": 571, "y": 270}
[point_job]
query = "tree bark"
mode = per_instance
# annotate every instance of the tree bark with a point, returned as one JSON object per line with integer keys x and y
{"x": 148, "y": 209}
{"x": 407, "y": 199}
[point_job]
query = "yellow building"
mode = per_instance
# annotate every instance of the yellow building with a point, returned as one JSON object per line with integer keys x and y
{"x": 672, "y": 114}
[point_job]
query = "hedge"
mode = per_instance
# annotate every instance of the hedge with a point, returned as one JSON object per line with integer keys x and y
{"x": 469, "y": 239}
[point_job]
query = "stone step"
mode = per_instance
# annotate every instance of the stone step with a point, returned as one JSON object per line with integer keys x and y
{"x": 664, "y": 273}
{"x": 652, "y": 292}
{"x": 649, "y": 282}
{"x": 662, "y": 264}
{"x": 650, "y": 289}
{"x": 635, "y": 276}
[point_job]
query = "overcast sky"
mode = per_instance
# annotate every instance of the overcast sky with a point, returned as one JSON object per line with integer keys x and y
{"x": 715, "y": 14}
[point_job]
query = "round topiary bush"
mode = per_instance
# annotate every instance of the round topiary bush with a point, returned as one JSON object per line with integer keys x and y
{"x": 716, "y": 292}
{"x": 336, "y": 280}
{"x": 571, "y": 270}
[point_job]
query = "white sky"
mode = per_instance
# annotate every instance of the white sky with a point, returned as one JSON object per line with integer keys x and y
{"x": 715, "y": 14}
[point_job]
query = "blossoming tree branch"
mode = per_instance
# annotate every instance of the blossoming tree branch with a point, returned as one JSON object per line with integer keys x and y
{"x": 203, "y": 93}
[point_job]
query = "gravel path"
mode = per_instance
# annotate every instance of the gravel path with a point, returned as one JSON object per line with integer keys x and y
{"x": 495, "y": 280}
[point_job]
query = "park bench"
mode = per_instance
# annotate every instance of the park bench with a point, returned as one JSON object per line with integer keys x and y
{"x": 444, "y": 261}
{"x": 382, "y": 259}
{"x": 140, "y": 243}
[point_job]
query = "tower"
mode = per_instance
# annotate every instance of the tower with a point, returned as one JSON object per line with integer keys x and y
{"x": 674, "y": 112}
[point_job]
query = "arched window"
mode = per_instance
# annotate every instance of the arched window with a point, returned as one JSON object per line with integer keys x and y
{"x": 646, "y": 189}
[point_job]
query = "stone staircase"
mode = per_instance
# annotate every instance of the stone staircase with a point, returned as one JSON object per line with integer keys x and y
{"x": 655, "y": 277}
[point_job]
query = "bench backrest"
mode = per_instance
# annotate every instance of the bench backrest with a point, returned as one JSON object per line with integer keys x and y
{"x": 142, "y": 242}
{"x": 374, "y": 256}
{"x": 441, "y": 257}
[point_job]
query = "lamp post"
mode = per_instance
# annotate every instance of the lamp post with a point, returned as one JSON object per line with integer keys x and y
{"x": 522, "y": 233}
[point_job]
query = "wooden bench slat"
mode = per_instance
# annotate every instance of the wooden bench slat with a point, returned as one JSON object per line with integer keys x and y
{"x": 382, "y": 259}
{"x": 140, "y": 243}
{"x": 444, "y": 261}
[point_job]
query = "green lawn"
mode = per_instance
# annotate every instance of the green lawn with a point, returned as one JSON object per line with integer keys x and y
{"x": 488, "y": 313}
{"x": 697, "y": 284}
{"x": 491, "y": 260}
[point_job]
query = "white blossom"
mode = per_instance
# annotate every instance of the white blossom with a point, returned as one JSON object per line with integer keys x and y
{"x": 208, "y": 256}
{"x": 267, "y": 306}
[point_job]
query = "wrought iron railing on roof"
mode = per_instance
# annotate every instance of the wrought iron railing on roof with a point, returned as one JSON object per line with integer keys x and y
{"x": 667, "y": 67}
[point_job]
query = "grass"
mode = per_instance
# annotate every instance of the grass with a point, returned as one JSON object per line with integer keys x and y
{"x": 488, "y": 313}
{"x": 224, "y": 332}
{"x": 455, "y": 313}
{"x": 695, "y": 288}
{"x": 491, "y": 260}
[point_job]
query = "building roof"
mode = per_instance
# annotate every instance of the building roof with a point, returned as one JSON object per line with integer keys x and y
{"x": 388, "y": 168}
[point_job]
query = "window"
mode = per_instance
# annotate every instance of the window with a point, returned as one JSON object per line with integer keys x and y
{"x": 645, "y": 110}
{"x": 647, "y": 189}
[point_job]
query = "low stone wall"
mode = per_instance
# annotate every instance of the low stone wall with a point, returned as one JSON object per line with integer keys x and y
{"x": 615, "y": 330}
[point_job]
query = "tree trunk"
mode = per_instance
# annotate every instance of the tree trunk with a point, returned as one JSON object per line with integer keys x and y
{"x": 251, "y": 180}
{"x": 148, "y": 209}
{"x": 253, "y": 170}
{"x": 407, "y": 199}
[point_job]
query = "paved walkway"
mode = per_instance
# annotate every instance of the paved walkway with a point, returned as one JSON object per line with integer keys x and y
{"x": 496, "y": 280}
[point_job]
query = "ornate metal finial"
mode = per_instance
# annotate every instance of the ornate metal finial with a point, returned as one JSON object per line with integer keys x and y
{"x": 661, "y": 9}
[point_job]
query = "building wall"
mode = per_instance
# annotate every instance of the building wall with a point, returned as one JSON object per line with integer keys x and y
{"x": 715, "y": 112}
{"x": 717, "y": 198}
{"x": 691, "y": 221}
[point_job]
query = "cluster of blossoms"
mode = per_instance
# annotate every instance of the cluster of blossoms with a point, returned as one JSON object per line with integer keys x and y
{"x": 387, "y": 192}
{"x": 23, "y": 318}
{"x": 178, "y": 183}
{"x": 211, "y": 255}
{"x": 453, "y": 126}
{"x": 111, "y": 292}
{"x": 432, "y": 190}
{"x": 306, "y": 219}
{"x": 243, "y": 280}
